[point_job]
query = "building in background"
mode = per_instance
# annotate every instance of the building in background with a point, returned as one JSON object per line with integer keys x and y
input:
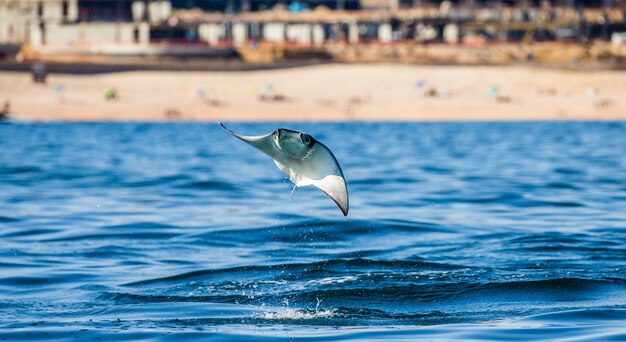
{"x": 217, "y": 27}
{"x": 17, "y": 17}
{"x": 234, "y": 6}
{"x": 121, "y": 27}
{"x": 98, "y": 10}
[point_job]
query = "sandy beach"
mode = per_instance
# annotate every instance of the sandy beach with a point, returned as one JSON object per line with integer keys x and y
{"x": 335, "y": 92}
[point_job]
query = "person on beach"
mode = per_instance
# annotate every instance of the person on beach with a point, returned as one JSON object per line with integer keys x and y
{"x": 6, "y": 110}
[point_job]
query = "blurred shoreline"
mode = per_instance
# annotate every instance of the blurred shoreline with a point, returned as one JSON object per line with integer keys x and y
{"x": 293, "y": 91}
{"x": 598, "y": 55}
{"x": 79, "y": 67}
{"x": 92, "y": 65}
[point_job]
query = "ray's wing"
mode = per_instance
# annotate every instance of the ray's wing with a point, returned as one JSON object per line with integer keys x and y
{"x": 322, "y": 170}
{"x": 263, "y": 143}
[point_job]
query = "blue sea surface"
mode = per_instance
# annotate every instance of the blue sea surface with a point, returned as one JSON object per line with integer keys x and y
{"x": 456, "y": 231}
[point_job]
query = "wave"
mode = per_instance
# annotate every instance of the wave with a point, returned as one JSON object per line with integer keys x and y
{"x": 594, "y": 246}
{"x": 43, "y": 280}
{"x": 510, "y": 199}
{"x": 141, "y": 225}
{"x": 112, "y": 236}
{"x": 8, "y": 219}
{"x": 385, "y": 304}
{"x": 396, "y": 287}
{"x": 332, "y": 265}
{"x": 316, "y": 230}
{"x": 29, "y": 232}
{"x": 290, "y": 325}
{"x": 18, "y": 170}
{"x": 209, "y": 185}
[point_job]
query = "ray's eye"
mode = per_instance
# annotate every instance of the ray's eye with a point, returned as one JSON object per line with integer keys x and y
{"x": 277, "y": 136}
{"x": 306, "y": 139}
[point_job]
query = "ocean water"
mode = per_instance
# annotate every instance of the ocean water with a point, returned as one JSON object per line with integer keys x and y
{"x": 456, "y": 231}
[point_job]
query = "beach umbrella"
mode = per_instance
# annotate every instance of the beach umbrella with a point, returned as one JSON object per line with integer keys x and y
{"x": 493, "y": 91}
{"x": 110, "y": 94}
{"x": 57, "y": 89}
{"x": 420, "y": 84}
{"x": 591, "y": 92}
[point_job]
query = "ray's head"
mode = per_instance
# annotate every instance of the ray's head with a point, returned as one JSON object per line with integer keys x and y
{"x": 293, "y": 143}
